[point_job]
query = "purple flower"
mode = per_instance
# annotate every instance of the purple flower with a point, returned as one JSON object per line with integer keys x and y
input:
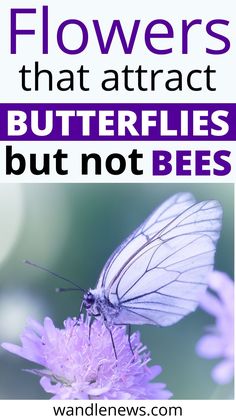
{"x": 219, "y": 341}
{"x": 76, "y": 367}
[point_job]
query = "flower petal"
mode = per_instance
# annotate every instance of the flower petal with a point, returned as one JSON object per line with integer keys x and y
{"x": 220, "y": 343}
{"x": 154, "y": 371}
{"x": 35, "y": 326}
{"x": 210, "y": 346}
{"x": 223, "y": 372}
{"x": 211, "y": 304}
{"x": 49, "y": 329}
{"x": 23, "y": 352}
{"x": 45, "y": 382}
{"x": 14, "y": 349}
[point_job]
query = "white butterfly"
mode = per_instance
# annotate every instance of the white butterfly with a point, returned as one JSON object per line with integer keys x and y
{"x": 159, "y": 273}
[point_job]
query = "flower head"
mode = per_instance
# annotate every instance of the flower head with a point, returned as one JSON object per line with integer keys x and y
{"x": 219, "y": 341}
{"x": 79, "y": 367}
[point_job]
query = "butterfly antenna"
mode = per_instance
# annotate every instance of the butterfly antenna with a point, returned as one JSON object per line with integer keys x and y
{"x": 77, "y": 287}
{"x": 66, "y": 289}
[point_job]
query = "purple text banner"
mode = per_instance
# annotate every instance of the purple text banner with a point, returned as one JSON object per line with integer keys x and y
{"x": 117, "y": 122}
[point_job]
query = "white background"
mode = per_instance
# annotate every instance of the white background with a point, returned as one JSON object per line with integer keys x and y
{"x": 127, "y": 11}
{"x": 105, "y": 148}
{"x": 191, "y": 409}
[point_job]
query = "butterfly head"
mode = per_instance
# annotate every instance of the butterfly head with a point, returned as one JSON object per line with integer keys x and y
{"x": 89, "y": 300}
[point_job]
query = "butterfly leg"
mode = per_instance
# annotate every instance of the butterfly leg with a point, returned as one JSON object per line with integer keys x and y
{"x": 112, "y": 341}
{"x": 80, "y": 312}
{"x": 129, "y": 336}
{"x": 90, "y": 323}
{"x": 90, "y": 327}
{"x": 81, "y": 308}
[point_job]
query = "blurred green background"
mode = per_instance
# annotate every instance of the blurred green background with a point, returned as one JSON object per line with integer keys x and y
{"x": 72, "y": 229}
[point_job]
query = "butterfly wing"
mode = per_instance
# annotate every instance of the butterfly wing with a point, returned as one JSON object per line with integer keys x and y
{"x": 158, "y": 274}
{"x": 165, "y": 213}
